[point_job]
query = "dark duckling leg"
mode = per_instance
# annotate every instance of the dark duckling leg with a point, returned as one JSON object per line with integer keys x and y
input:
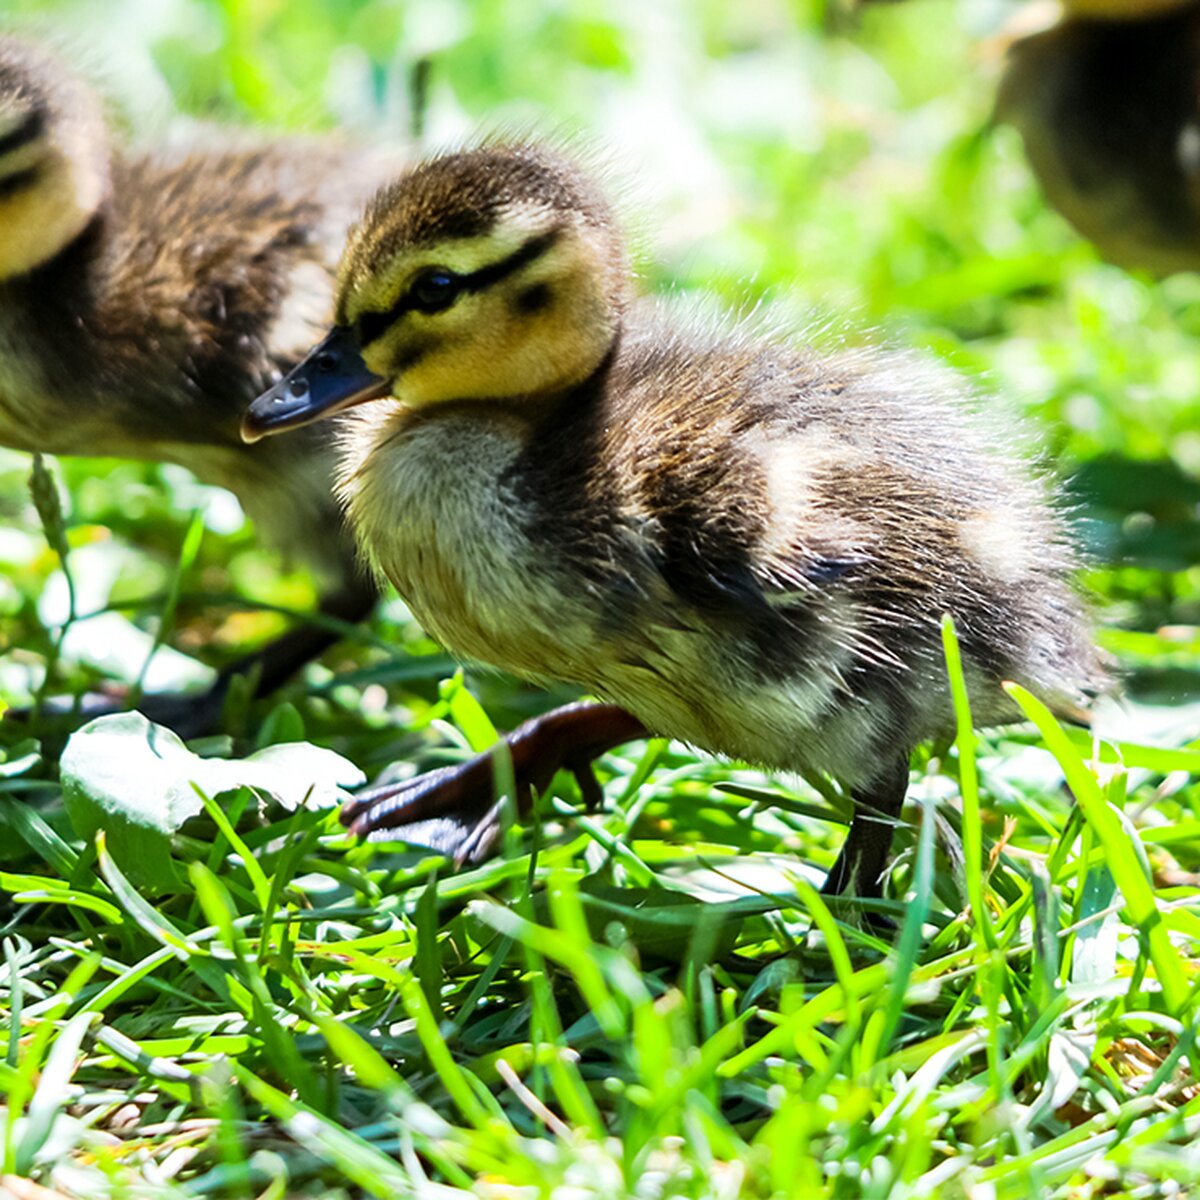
{"x": 455, "y": 810}
{"x": 859, "y": 868}
{"x": 193, "y": 716}
{"x": 272, "y": 666}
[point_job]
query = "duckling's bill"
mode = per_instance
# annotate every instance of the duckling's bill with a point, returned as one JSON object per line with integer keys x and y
{"x": 332, "y": 377}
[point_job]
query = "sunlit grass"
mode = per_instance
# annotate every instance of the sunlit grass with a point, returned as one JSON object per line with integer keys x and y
{"x": 652, "y": 1001}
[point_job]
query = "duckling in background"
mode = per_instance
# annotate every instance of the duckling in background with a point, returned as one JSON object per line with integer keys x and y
{"x": 1107, "y": 102}
{"x": 146, "y": 299}
{"x": 732, "y": 540}
{"x": 1121, "y": 10}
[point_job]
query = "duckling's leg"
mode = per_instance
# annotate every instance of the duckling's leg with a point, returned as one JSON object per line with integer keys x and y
{"x": 859, "y": 868}
{"x": 456, "y": 811}
{"x": 196, "y": 715}
{"x": 278, "y": 661}
{"x": 270, "y": 667}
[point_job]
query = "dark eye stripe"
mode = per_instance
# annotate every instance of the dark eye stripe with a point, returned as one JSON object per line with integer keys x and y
{"x": 372, "y": 325}
{"x": 522, "y": 256}
{"x": 17, "y": 181}
{"x": 30, "y": 127}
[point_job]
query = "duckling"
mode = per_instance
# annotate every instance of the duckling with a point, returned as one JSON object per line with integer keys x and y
{"x": 145, "y": 299}
{"x": 1121, "y": 10}
{"x": 730, "y": 539}
{"x": 1108, "y": 107}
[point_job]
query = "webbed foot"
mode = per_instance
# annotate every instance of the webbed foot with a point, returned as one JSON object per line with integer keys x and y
{"x": 456, "y": 810}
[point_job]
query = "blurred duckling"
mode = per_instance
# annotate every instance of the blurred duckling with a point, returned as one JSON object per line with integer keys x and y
{"x": 1121, "y": 10}
{"x": 1107, "y": 102}
{"x": 146, "y": 299}
{"x": 734, "y": 541}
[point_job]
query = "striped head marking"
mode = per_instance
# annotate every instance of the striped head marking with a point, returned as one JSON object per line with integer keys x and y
{"x": 53, "y": 157}
{"x": 493, "y": 273}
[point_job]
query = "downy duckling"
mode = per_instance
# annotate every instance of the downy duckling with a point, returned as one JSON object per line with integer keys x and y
{"x": 1106, "y": 102}
{"x": 733, "y": 540}
{"x": 1120, "y": 10}
{"x": 146, "y": 299}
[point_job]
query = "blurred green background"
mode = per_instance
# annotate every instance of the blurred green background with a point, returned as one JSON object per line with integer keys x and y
{"x": 838, "y": 167}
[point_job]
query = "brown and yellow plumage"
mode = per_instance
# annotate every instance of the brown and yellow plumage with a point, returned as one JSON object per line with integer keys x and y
{"x": 743, "y": 544}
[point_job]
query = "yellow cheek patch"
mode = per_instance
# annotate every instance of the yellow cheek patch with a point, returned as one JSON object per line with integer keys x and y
{"x": 53, "y": 175}
{"x": 41, "y": 217}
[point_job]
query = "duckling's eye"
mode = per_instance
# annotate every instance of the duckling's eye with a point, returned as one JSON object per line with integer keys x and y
{"x": 434, "y": 290}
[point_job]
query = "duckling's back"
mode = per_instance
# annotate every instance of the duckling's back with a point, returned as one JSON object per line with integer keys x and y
{"x": 785, "y": 532}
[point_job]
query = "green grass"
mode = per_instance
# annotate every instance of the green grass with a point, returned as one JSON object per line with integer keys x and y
{"x": 305, "y": 1014}
{"x": 652, "y": 1000}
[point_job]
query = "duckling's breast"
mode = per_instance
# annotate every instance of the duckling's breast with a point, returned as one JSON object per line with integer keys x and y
{"x": 428, "y": 500}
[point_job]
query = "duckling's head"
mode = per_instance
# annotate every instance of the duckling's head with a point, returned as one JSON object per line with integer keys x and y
{"x": 494, "y": 274}
{"x": 54, "y": 172}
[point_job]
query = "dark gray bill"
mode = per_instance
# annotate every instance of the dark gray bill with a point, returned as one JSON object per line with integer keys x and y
{"x": 331, "y": 378}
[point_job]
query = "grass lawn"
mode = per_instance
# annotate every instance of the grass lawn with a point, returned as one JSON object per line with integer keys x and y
{"x": 650, "y": 1000}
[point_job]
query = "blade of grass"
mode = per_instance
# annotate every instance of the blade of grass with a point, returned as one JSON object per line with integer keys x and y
{"x": 188, "y": 550}
{"x": 452, "y": 1076}
{"x": 1125, "y": 867}
{"x": 360, "y": 1162}
{"x": 277, "y": 1037}
{"x": 968, "y": 779}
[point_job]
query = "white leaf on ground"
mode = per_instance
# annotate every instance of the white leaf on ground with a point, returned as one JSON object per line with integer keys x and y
{"x": 138, "y": 782}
